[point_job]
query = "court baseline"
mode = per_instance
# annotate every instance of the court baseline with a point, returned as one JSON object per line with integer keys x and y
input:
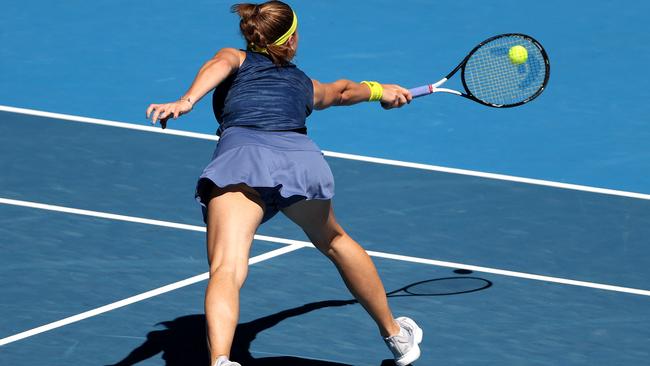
{"x": 368, "y": 159}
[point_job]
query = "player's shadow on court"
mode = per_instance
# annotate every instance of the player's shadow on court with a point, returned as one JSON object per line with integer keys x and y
{"x": 182, "y": 342}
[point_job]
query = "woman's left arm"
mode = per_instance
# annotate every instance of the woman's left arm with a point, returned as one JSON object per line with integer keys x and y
{"x": 346, "y": 92}
{"x": 211, "y": 74}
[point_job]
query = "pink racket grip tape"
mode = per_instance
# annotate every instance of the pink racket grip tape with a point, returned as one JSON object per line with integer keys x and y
{"x": 421, "y": 91}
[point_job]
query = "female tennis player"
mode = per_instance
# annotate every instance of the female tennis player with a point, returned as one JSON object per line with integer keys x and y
{"x": 265, "y": 163}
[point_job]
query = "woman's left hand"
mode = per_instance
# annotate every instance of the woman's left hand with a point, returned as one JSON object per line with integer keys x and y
{"x": 395, "y": 96}
{"x": 163, "y": 112}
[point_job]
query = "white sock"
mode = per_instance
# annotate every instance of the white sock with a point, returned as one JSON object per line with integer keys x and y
{"x": 221, "y": 360}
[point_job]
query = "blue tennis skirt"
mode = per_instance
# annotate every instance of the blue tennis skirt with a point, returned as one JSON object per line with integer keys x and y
{"x": 283, "y": 167}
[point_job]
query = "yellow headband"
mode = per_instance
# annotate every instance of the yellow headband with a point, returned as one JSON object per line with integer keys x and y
{"x": 283, "y": 39}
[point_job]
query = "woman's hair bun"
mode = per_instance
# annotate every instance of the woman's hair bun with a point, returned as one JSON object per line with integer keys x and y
{"x": 262, "y": 24}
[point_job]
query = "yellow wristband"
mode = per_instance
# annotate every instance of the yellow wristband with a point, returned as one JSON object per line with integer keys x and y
{"x": 376, "y": 90}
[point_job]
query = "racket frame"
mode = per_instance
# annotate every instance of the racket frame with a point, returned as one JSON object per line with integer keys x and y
{"x": 435, "y": 87}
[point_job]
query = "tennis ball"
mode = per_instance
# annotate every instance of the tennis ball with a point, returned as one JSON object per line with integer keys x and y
{"x": 518, "y": 55}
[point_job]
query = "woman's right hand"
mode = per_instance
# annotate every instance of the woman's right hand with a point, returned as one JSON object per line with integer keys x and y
{"x": 395, "y": 96}
{"x": 163, "y": 112}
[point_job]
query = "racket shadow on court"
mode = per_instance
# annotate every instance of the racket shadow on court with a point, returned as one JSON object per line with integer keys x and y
{"x": 182, "y": 341}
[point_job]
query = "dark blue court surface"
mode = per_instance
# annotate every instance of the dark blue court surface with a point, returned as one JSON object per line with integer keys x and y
{"x": 57, "y": 262}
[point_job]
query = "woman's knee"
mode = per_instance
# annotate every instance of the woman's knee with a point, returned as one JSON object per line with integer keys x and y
{"x": 318, "y": 221}
{"x": 235, "y": 273}
{"x": 328, "y": 239}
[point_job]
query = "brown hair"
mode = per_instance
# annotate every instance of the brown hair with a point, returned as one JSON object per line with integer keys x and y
{"x": 262, "y": 24}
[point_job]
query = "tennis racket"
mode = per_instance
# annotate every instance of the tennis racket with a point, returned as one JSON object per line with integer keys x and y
{"x": 503, "y": 71}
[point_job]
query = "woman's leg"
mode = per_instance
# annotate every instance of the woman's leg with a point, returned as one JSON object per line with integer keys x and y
{"x": 234, "y": 213}
{"x": 316, "y": 218}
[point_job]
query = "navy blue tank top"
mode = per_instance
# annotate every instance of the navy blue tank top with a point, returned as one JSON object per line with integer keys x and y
{"x": 264, "y": 96}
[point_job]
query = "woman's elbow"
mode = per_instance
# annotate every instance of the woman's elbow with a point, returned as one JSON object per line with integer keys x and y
{"x": 344, "y": 95}
{"x": 345, "y": 98}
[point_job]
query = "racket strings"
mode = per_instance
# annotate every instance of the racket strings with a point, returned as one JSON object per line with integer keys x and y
{"x": 493, "y": 78}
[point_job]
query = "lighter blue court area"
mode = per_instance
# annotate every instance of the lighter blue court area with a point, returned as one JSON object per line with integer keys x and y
{"x": 110, "y": 59}
{"x": 97, "y": 222}
{"x": 59, "y": 263}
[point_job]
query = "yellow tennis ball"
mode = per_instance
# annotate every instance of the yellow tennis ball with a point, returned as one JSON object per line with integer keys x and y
{"x": 518, "y": 55}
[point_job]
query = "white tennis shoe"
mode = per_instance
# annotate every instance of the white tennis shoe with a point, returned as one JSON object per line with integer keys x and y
{"x": 224, "y": 361}
{"x": 405, "y": 345}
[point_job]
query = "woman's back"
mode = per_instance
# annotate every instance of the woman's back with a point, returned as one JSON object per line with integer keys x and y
{"x": 264, "y": 96}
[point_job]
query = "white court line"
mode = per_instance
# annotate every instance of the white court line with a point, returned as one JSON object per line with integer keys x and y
{"x": 140, "y": 297}
{"x": 368, "y": 159}
{"x": 133, "y": 219}
{"x": 502, "y": 272}
{"x": 433, "y": 262}
{"x": 103, "y": 122}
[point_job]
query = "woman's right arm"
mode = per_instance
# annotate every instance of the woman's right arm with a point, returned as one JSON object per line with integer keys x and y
{"x": 211, "y": 74}
{"x": 346, "y": 92}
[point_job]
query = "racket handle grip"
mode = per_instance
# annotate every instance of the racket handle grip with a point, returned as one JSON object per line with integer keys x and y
{"x": 421, "y": 91}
